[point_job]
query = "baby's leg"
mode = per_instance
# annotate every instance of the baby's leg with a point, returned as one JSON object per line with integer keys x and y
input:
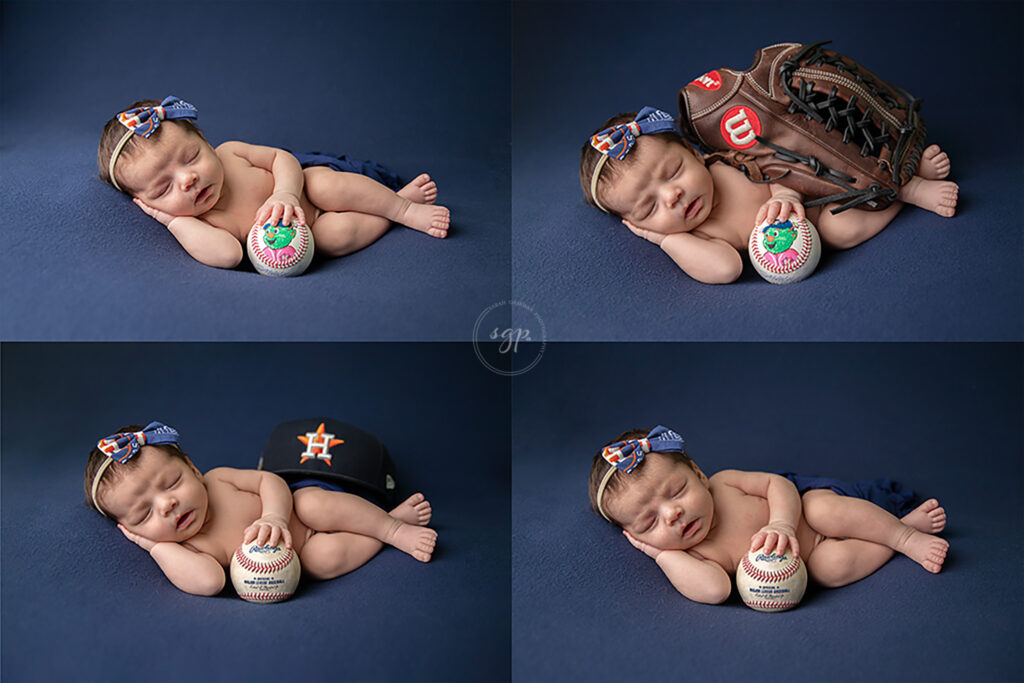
{"x": 328, "y": 555}
{"x": 332, "y": 511}
{"x": 853, "y": 226}
{"x": 840, "y": 561}
{"x": 350, "y": 192}
{"x": 844, "y": 517}
{"x": 338, "y": 234}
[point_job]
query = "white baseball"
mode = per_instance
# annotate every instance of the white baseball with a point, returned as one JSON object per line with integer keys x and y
{"x": 781, "y": 257}
{"x": 284, "y": 256}
{"x": 770, "y": 582}
{"x": 264, "y": 573}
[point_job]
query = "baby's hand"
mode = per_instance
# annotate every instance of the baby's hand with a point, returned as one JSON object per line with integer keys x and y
{"x": 774, "y": 538}
{"x": 140, "y": 541}
{"x": 646, "y": 548}
{"x": 649, "y": 235}
{"x": 779, "y": 207}
{"x": 268, "y": 529}
{"x": 279, "y": 209}
{"x": 162, "y": 216}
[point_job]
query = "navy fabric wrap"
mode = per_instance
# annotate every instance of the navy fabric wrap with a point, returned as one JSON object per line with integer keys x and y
{"x": 339, "y": 162}
{"x": 885, "y": 493}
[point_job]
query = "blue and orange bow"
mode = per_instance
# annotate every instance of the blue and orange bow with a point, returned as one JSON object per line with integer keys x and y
{"x": 626, "y": 455}
{"x": 124, "y": 445}
{"x": 144, "y": 120}
{"x": 617, "y": 140}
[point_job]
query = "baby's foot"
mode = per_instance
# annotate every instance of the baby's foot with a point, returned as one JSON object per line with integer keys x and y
{"x": 934, "y": 164}
{"x": 927, "y": 517}
{"x": 414, "y": 510}
{"x": 421, "y": 190}
{"x": 417, "y": 541}
{"x": 927, "y": 550}
{"x": 433, "y": 220}
{"x": 938, "y": 196}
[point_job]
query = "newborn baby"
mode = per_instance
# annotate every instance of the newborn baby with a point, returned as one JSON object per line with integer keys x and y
{"x": 191, "y": 523}
{"x": 638, "y": 167}
{"x": 209, "y": 198}
{"x": 698, "y": 528}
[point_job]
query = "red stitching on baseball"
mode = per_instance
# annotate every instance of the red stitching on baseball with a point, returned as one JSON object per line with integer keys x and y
{"x": 300, "y": 253}
{"x": 761, "y": 575}
{"x": 805, "y": 251}
{"x": 264, "y": 597}
{"x": 254, "y": 566}
{"x": 770, "y": 604}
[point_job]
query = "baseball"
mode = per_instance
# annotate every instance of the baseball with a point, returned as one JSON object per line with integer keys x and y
{"x": 280, "y": 250}
{"x": 264, "y": 573}
{"x": 771, "y": 583}
{"x": 784, "y": 252}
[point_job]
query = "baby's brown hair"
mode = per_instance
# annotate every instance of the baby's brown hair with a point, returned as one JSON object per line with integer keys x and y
{"x": 599, "y": 468}
{"x": 117, "y": 470}
{"x": 613, "y": 168}
{"x": 114, "y": 130}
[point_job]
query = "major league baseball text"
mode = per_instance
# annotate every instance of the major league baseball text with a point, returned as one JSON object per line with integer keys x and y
{"x": 264, "y": 574}
{"x": 771, "y": 583}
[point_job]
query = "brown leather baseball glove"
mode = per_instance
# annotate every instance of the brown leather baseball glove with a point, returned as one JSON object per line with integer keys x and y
{"x": 813, "y": 120}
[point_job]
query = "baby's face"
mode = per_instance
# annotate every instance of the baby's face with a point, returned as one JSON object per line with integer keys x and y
{"x": 668, "y": 506}
{"x": 179, "y": 173}
{"x": 666, "y": 188}
{"x": 163, "y": 499}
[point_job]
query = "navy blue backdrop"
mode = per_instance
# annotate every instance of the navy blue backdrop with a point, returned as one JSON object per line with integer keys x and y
{"x": 80, "y": 602}
{"x": 942, "y": 418}
{"x": 417, "y": 86}
{"x": 923, "y": 278}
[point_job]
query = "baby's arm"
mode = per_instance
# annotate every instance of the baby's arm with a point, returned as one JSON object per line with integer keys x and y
{"x": 699, "y": 580}
{"x": 193, "y": 572}
{"x": 784, "y": 508}
{"x": 288, "y": 179}
{"x": 784, "y": 202}
{"x": 708, "y": 260}
{"x": 209, "y": 245}
{"x": 275, "y": 497}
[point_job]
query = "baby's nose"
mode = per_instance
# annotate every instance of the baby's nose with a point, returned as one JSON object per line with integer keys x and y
{"x": 671, "y": 195}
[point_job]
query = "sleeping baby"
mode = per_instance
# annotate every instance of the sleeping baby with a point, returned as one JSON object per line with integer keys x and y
{"x": 209, "y": 198}
{"x": 190, "y": 523}
{"x": 698, "y": 528}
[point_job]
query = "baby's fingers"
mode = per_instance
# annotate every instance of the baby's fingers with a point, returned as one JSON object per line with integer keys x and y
{"x": 757, "y": 541}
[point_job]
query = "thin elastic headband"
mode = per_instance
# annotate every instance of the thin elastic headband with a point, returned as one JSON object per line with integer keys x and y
{"x": 144, "y": 120}
{"x": 617, "y": 140}
{"x": 624, "y": 456}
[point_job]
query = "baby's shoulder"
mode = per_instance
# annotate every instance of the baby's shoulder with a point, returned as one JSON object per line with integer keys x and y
{"x": 228, "y": 475}
{"x": 725, "y": 476}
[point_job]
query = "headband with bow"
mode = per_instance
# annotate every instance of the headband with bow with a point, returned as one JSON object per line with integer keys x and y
{"x": 144, "y": 120}
{"x": 123, "y": 446}
{"x": 616, "y": 141}
{"x": 624, "y": 456}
